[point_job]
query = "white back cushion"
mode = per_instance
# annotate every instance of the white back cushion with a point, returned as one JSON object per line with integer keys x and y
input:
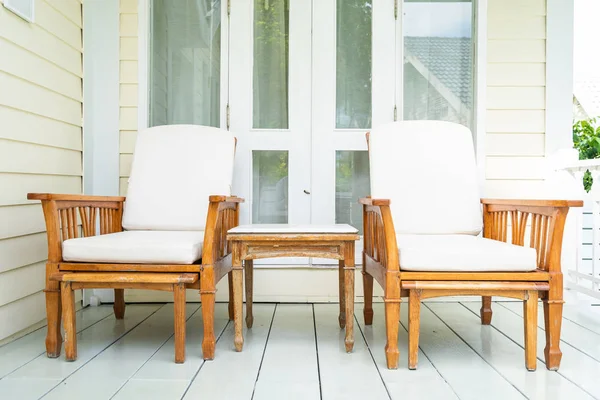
{"x": 428, "y": 171}
{"x": 175, "y": 169}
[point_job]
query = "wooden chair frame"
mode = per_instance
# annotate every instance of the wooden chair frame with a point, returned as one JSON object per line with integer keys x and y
{"x": 381, "y": 262}
{"x": 63, "y": 214}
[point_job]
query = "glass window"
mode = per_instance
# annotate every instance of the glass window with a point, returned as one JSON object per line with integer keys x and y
{"x": 185, "y": 62}
{"x": 438, "y": 60}
{"x": 271, "y": 55}
{"x": 269, "y": 186}
{"x": 351, "y": 183}
{"x": 353, "y": 64}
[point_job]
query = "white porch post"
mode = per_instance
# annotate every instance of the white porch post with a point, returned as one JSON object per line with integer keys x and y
{"x": 101, "y": 102}
{"x": 559, "y": 74}
{"x": 559, "y": 115}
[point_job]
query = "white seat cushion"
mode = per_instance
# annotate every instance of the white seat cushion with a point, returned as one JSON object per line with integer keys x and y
{"x": 175, "y": 169}
{"x": 428, "y": 171}
{"x": 462, "y": 253}
{"x": 144, "y": 247}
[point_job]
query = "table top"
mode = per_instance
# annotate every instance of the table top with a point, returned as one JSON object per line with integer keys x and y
{"x": 293, "y": 229}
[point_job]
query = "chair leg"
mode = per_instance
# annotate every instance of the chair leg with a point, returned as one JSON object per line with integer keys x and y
{"x": 392, "y": 322}
{"x": 179, "y": 305}
{"x": 207, "y": 295}
{"x": 553, "y": 307}
{"x": 368, "y": 292}
{"x": 249, "y": 283}
{"x": 349, "y": 272}
{"x": 552, "y": 322}
{"x": 53, "y": 313}
{"x": 342, "y": 294}
{"x": 486, "y": 310}
{"x": 238, "y": 287}
{"x": 530, "y": 317}
{"x": 68, "y": 302}
{"x": 119, "y": 306}
{"x": 230, "y": 305}
{"x": 414, "y": 323}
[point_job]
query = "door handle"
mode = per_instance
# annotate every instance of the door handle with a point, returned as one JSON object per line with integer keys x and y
{"x": 306, "y": 191}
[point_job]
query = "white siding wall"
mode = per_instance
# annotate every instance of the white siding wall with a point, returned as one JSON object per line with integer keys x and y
{"x": 128, "y": 55}
{"x": 40, "y": 145}
{"x": 516, "y": 80}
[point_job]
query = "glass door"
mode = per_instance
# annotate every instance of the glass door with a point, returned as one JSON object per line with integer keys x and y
{"x": 270, "y": 107}
{"x": 353, "y": 75}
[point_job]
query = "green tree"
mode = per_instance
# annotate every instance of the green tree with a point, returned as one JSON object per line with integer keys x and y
{"x": 586, "y": 139}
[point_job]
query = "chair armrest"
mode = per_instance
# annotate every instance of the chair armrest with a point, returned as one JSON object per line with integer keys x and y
{"x": 64, "y": 212}
{"x": 227, "y": 199}
{"x": 533, "y": 203}
{"x": 368, "y": 201}
{"x": 546, "y": 219}
{"x": 223, "y": 214}
{"x": 379, "y": 233}
{"x": 73, "y": 197}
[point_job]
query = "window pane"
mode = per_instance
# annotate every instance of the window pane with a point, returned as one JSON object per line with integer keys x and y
{"x": 438, "y": 61}
{"x": 271, "y": 50}
{"x": 351, "y": 183}
{"x": 353, "y": 64}
{"x": 185, "y": 62}
{"x": 269, "y": 187}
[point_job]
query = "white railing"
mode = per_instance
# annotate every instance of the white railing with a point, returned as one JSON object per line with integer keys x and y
{"x": 584, "y": 273}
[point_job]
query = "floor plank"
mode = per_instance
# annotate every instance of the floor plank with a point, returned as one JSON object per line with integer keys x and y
{"x": 172, "y": 380}
{"x": 574, "y": 334}
{"x": 575, "y": 366}
{"x": 232, "y": 375}
{"x": 110, "y": 369}
{"x": 585, "y": 316}
{"x": 505, "y": 356}
{"x": 15, "y": 354}
{"x": 152, "y": 389}
{"x": 425, "y": 384}
{"x": 468, "y": 374}
{"x": 289, "y": 354}
{"x": 289, "y": 367}
{"x": 44, "y": 373}
{"x": 162, "y": 366}
{"x": 343, "y": 375}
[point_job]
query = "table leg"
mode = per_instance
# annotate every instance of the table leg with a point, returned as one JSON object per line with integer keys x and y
{"x": 249, "y": 271}
{"x": 349, "y": 293}
{"x": 238, "y": 301}
{"x": 342, "y": 316}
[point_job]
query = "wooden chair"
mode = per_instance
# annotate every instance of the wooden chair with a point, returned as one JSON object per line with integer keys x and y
{"x": 421, "y": 227}
{"x": 170, "y": 229}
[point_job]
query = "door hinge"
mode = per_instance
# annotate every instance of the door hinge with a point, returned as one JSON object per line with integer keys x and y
{"x": 395, "y": 9}
{"x": 228, "y": 8}
{"x": 395, "y": 113}
{"x": 227, "y": 116}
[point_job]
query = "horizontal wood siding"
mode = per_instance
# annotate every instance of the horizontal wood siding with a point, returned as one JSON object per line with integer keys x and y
{"x": 128, "y": 86}
{"x": 40, "y": 145}
{"x": 516, "y": 97}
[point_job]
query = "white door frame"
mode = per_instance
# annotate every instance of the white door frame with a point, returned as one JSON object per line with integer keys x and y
{"x": 100, "y": 107}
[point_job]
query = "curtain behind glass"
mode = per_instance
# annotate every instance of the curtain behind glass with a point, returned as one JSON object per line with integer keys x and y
{"x": 438, "y": 61}
{"x": 354, "y": 49}
{"x": 271, "y": 55}
{"x": 185, "y": 62}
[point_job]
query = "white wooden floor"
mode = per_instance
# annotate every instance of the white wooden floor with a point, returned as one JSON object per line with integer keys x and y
{"x": 296, "y": 351}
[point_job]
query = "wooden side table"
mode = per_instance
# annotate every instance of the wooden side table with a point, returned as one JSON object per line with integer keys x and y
{"x": 251, "y": 242}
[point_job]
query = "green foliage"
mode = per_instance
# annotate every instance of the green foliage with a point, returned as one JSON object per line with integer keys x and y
{"x": 354, "y": 21}
{"x": 271, "y": 64}
{"x": 586, "y": 139}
